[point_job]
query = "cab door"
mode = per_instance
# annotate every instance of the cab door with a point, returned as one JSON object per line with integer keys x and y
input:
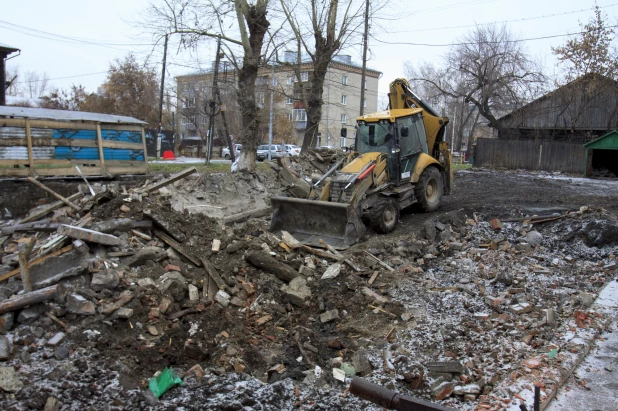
{"x": 412, "y": 142}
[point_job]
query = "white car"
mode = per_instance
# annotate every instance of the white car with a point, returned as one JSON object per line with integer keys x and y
{"x": 225, "y": 153}
{"x": 292, "y": 150}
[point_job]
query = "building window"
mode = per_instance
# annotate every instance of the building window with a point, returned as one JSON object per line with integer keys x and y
{"x": 344, "y": 118}
{"x": 299, "y": 114}
{"x": 365, "y": 103}
{"x": 275, "y": 81}
{"x": 319, "y": 138}
{"x": 344, "y": 80}
{"x": 289, "y": 100}
{"x": 290, "y": 116}
{"x": 291, "y": 80}
{"x": 365, "y": 84}
{"x": 304, "y": 76}
{"x": 344, "y": 100}
{"x": 342, "y": 142}
{"x": 189, "y": 102}
{"x": 259, "y": 99}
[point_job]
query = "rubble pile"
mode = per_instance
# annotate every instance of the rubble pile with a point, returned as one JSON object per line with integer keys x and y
{"x": 460, "y": 311}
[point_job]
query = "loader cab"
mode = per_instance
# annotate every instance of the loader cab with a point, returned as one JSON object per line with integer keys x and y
{"x": 401, "y": 135}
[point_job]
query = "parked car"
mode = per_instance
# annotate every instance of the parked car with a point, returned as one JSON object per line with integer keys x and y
{"x": 276, "y": 150}
{"x": 225, "y": 153}
{"x": 292, "y": 150}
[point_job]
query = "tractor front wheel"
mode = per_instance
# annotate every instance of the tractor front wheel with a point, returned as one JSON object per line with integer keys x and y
{"x": 385, "y": 215}
{"x": 428, "y": 190}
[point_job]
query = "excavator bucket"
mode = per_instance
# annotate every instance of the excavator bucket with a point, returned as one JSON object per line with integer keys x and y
{"x": 310, "y": 221}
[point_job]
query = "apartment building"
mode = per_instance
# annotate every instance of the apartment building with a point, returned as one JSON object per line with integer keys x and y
{"x": 342, "y": 90}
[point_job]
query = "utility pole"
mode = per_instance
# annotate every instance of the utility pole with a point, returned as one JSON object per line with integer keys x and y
{"x": 225, "y": 127}
{"x": 161, "y": 97}
{"x": 270, "y": 121}
{"x": 362, "y": 96}
{"x": 212, "y": 104}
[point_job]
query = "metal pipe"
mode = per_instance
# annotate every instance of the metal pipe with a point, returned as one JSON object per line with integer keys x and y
{"x": 390, "y": 399}
{"x": 331, "y": 171}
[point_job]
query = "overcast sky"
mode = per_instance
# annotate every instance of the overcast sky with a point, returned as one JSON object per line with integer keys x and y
{"x": 74, "y": 41}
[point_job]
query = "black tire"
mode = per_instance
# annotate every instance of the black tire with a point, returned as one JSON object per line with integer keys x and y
{"x": 384, "y": 215}
{"x": 428, "y": 190}
{"x": 227, "y": 157}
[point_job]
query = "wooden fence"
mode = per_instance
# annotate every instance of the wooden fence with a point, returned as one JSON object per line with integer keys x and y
{"x": 30, "y": 147}
{"x": 530, "y": 155}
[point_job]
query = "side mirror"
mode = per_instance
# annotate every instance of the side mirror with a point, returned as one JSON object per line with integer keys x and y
{"x": 404, "y": 132}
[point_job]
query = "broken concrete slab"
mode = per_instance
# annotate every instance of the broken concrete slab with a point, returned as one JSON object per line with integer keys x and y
{"x": 110, "y": 226}
{"x": 56, "y": 339}
{"x": 194, "y": 293}
{"x": 521, "y": 308}
{"x": 106, "y": 279}
{"x": 329, "y": 316}
{"x": 88, "y": 235}
{"x": 143, "y": 255}
{"x": 332, "y": 272}
{"x": 297, "y": 291}
{"x": 162, "y": 222}
{"x": 454, "y": 367}
{"x": 77, "y": 304}
{"x": 5, "y": 348}
{"x": 222, "y": 298}
{"x": 29, "y": 314}
{"x": 442, "y": 391}
{"x": 9, "y": 380}
{"x": 6, "y": 322}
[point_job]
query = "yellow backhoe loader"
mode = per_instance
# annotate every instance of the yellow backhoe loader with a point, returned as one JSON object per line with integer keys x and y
{"x": 401, "y": 158}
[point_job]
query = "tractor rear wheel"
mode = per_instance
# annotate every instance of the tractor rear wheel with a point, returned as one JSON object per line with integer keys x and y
{"x": 428, "y": 190}
{"x": 385, "y": 215}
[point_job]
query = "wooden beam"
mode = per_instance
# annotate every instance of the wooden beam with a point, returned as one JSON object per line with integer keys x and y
{"x": 245, "y": 215}
{"x": 145, "y": 150}
{"x": 17, "y": 302}
{"x": 170, "y": 180}
{"x": 176, "y": 246}
{"x": 29, "y": 141}
{"x": 69, "y": 142}
{"x": 88, "y": 235}
{"x": 52, "y": 192}
{"x": 213, "y": 273}
{"x": 49, "y": 209}
{"x": 100, "y": 146}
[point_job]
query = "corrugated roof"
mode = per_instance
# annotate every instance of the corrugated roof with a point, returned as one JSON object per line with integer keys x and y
{"x": 65, "y": 115}
{"x": 608, "y": 141}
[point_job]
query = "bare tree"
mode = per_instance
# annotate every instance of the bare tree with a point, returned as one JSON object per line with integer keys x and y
{"x": 36, "y": 84}
{"x": 12, "y": 82}
{"x": 490, "y": 69}
{"x": 240, "y": 25}
{"x": 333, "y": 25}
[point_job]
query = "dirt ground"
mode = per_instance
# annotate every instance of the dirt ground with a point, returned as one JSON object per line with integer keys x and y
{"x": 442, "y": 288}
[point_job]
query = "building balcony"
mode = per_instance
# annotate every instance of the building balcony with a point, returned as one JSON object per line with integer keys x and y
{"x": 300, "y": 125}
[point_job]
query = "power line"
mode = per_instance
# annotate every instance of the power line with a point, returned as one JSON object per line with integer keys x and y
{"x": 480, "y": 42}
{"x": 66, "y": 39}
{"x": 507, "y": 21}
{"x": 60, "y": 78}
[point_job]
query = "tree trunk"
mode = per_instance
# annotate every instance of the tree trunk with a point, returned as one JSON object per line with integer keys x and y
{"x": 323, "y": 56}
{"x": 257, "y": 24}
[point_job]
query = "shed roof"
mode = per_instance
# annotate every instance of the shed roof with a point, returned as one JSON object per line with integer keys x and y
{"x": 5, "y": 48}
{"x": 607, "y": 141}
{"x": 65, "y": 115}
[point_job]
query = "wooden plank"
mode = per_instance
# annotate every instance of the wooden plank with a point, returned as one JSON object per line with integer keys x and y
{"x": 18, "y": 122}
{"x": 382, "y": 263}
{"x": 121, "y": 127}
{"x": 49, "y": 209}
{"x": 83, "y": 163}
{"x": 245, "y": 215}
{"x": 334, "y": 251}
{"x": 89, "y": 171}
{"x": 23, "y": 265}
{"x": 52, "y": 192}
{"x": 213, "y": 273}
{"x": 20, "y": 301}
{"x": 100, "y": 146}
{"x": 144, "y": 144}
{"x": 172, "y": 243}
{"x": 71, "y": 142}
{"x": 170, "y": 180}
{"x": 29, "y": 140}
{"x": 36, "y": 261}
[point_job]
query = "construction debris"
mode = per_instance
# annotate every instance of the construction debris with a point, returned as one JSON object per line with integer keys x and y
{"x": 451, "y": 310}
